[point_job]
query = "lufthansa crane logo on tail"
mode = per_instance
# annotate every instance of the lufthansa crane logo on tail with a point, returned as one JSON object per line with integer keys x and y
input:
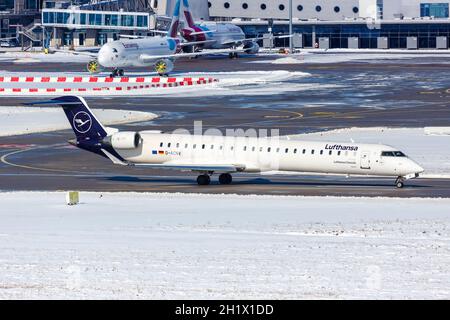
{"x": 82, "y": 122}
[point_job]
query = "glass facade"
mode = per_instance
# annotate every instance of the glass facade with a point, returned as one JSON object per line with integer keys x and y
{"x": 338, "y": 34}
{"x": 437, "y": 10}
{"x": 31, "y": 4}
{"x": 6, "y": 5}
{"x": 95, "y": 19}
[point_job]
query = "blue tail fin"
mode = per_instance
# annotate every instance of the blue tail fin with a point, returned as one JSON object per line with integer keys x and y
{"x": 83, "y": 121}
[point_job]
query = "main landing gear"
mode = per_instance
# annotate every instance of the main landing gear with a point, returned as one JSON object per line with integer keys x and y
{"x": 204, "y": 179}
{"x": 399, "y": 182}
{"x": 117, "y": 73}
{"x": 225, "y": 178}
{"x": 233, "y": 55}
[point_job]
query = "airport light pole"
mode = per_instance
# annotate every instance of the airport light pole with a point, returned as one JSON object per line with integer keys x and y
{"x": 291, "y": 45}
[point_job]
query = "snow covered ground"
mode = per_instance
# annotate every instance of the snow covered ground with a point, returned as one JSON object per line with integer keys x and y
{"x": 367, "y": 56}
{"x": 432, "y": 152}
{"x": 24, "y": 120}
{"x": 127, "y": 245}
{"x": 36, "y": 57}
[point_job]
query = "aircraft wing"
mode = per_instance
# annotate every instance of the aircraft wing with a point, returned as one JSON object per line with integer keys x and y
{"x": 201, "y": 32}
{"x": 242, "y": 41}
{"x": 130, "y": 36}
{"x": 81, "y": 53}
{"x": 148, "y": 58}
{"x": 193, "y": 43}
{"x": 179, "y": 166}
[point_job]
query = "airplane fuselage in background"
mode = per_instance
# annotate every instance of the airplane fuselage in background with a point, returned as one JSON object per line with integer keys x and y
{"x": 131, "y": 52}
{"x": 221, "y": 35}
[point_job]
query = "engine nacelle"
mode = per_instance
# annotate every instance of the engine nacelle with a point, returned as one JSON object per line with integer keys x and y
{"x": 251, "y": 47}
{"x": 124, "y": 140}
{"x": 163, "y": 66}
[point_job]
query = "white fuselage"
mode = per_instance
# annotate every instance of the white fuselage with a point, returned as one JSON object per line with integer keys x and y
{"x": 220, "y": 35}
{"x": 268, "y": 154}
{"x": 131, "y": 52}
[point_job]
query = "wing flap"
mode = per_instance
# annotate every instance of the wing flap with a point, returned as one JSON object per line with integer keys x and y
{"x": 81, "y": 53}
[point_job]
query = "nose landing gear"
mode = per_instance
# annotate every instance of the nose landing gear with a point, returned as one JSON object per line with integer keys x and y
{"x": 117, "y": 73}
{"x": 399, "y": 182}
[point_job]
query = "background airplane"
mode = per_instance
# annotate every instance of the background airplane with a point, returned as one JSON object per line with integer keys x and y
{"x": 207, "y": 155}
{"x": 158, "y": 52}
{"x": 218, "y": 35}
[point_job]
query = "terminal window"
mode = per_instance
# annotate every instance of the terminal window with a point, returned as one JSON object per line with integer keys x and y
{"x": 437, "y": 10}
{"x": 6, "y": 5}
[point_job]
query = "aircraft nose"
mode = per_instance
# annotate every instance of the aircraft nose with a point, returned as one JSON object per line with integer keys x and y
{"x": 104, "y": 56}
{"x": 416, "y": 168}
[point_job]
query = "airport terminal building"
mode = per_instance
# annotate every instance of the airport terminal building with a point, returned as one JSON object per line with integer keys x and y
{"x": 343, "y": 23}
{"x": 408, "y": 24}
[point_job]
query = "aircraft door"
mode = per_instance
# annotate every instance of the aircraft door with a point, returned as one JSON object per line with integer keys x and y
{"x": 365, "y": 160}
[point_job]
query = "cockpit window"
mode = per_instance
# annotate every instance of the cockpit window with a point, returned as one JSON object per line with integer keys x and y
{"x": 392, "y": 154}
{"x": 387, "y": 154}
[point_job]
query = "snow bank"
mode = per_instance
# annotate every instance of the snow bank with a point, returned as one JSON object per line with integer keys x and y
{"x": 430, "y": 151}
{"x": 437, "y": 130}
{"x": 288, "y": 60}
{"x": 368, "y": 56}
{"x": 35, "y": 57}
{"x": 171, "y": 246}
{"x": 24, "y": 120}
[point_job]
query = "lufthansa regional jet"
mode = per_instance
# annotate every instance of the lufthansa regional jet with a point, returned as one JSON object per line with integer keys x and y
{"x": 208, "y": 154}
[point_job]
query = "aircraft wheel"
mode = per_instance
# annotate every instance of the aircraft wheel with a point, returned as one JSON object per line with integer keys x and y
{"x": 203, "y": 180}
{"x": 225, "y": 178}
{"x": 93, "y": 66}
{"x": 120, "y": 73}
{"x": 114, "y": 73}
{"x": 399, "y": 183}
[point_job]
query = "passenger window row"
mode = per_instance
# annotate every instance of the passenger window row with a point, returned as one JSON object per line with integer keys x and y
{"x": 269, "y": 149}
